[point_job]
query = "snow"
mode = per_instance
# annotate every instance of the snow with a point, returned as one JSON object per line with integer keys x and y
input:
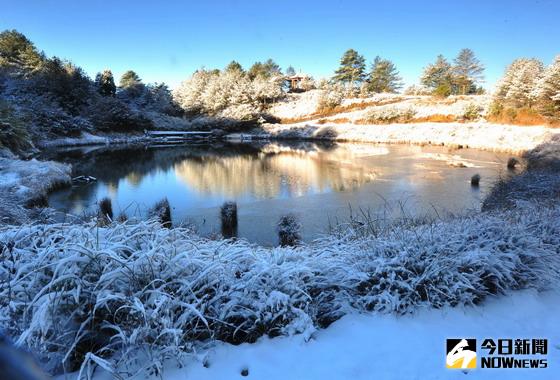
{"x": 369, "y": 346}
{"x": 23, "y": 181}
{"x": 305, "y": 105}
{"x": 480, "y": 135}
{"x": 171, "y": 293}
{"x": 477, "y": 134}
{"x": 296, "y": 105}
{"x": 91, "y": 139}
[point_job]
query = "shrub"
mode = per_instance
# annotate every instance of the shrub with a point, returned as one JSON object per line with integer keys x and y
{"x": 472, "y": 112}
{"x": 475, "y": 180}
{"x": 289, "y": 230}
{"x": 443, "y": 90}
{"x": 417, "y": 90}
{"x": 330, "y": 98}
{"x": 390, "y": 115}
{"x": 162, "y": 213}
{"x": 105, "y": 210}
{"x": 228, "y": 216}
{"x": 83, "y": 295}
{"x": 112, "y": 114}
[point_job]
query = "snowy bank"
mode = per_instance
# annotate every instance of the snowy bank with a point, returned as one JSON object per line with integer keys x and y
{"x": 89, "y": 139}
{"x": 365, "y": 347}
{"x": 131, "y": 288}
{"x": 479, "y": 135}
{"x": 25, "y": 184}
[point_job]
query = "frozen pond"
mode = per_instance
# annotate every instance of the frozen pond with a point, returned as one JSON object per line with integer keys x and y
{"x": 317, "y": 182}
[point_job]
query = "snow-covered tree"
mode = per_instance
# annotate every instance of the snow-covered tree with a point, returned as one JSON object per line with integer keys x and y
{"x": 131, "y": 83}
{"x": 517, "y": 87}
{"x": 352, "y": 68}
{"x": 331, "y": 96}
{"x": 189, "y": 93}
{"x": 105, "y": 83}
{"x": 468, "y": 71}
{"x": 384, "y": 76}
{"x": 158, "y": 98}
{"x": 215, "y": 93}
{"x": 307, "y": 83}
{"x": 234, "y": 66}
{"x": 267, "y": 69}
{"x": 547, "y": 91}
{"x": 18, "y": 52}
{"x": 439, "y": 76}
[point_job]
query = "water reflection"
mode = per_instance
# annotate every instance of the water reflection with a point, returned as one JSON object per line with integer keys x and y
{"x": 275, "y": 172}
{"x": 318, "y": 182}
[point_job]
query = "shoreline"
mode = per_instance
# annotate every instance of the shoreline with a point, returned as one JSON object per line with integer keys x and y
{"x": 479, "y": 135}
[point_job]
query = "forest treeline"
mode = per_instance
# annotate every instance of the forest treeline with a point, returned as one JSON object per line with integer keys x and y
{"x": 43, "y": 97}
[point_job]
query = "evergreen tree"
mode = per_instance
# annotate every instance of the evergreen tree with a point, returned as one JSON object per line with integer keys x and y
{"x": 234, "y": 66}
{"x": 468, "y": 71}
{"x": 547, "y": 90}
{"x": 384, "y": 76}
{"x": 265, "y": 70}
{"x": 131, "y": 83}
{"x": 517, "y": 87}
{"x": 16, "y": 51}
{"x": 352, "y": 68}
{"x": 290, "y": 71}
{"x": 105, "y": 83}
{"x": 440, "y": 77}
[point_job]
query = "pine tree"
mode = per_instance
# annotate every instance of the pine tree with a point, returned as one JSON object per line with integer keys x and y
{"x": 290, "y": 71}
{"x": 384, "y": 76}
{"x": 234, "y": 66}
{"x": 439, "y": 77}
{"x": 517, "y": 87}
{"x": 16, "y": 51}
{"x": 352, "y": 68}
{"x": 547, "y": 92}
{"x": 131, "y": 83}
{"x": 468, "y": 71}
{"x": 105, "y": 83}
{"x": 265, "y": 70}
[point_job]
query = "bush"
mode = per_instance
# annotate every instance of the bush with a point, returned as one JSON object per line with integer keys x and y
{"x": 112, "y": 114}
{"x": 162, "y": 213}
{"x": 472, "y": 112}
{"x": 475, "y": 180}
{"x": 443, "y": 90}
{"x": 289, "y": 230}
{"x": 105, "y": 211}
{"x": 83, "y": 294}
{"x": 330, "y": 98}
{"x": 228, "y": 217}
{"x": 389, "y": 115}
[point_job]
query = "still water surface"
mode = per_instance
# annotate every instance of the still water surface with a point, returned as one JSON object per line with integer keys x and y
{"x": 317, "y": 182}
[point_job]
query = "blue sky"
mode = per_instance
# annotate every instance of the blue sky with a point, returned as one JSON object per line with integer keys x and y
{"x": 168, "y": 40}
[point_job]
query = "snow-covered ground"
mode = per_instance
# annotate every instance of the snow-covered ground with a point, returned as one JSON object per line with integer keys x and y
{"x": 305, "y": 105}
{"x": 388, "y": 347}
{"x": 90, "y": 139}
{"x": 480, "y": 135}
{"x": 368, "y": 346}
{"x": 25, "y": 181}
